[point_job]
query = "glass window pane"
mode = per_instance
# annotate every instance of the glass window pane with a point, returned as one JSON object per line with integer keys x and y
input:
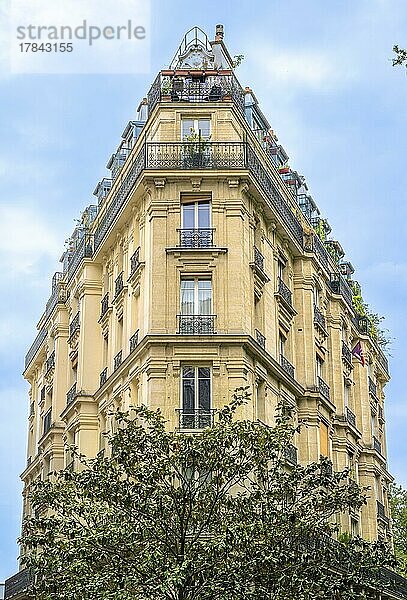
{"x": 204, "y": 126}
{"x": 188, "y": 395}
{"x": 204, "y": 394}
{"x": 187, "y": 296}
{"x": 204, "y": 373}
{"x": 204, "y": 297}
{"x": 187, "y": 125}
{"x": 188, "y": 372}
{"x": 204, "y": 215}
{"x": 188, "y": 215}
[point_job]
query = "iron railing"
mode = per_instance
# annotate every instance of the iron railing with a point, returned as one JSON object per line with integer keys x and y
{"x": 320, "y": 252}
{"x": 346, "y": 353}
{"x": 339, "y": 286}
{"x": 377, "y": 445}
{"x": 36, "y": 345}
{"x": 103, "y": 377}
{"x": 196, "y": 238}
{"x": 134, "y": 341}
{"x": 70, "y": 396}
{"x": 74, "y": 325}
{"x": 284, "y": 291}
{"x": 323, "y": 388}
{"x": 372, "y": 388}
{"x": 201, "y": 154}
{"x": 118, "y": 285}
{"x": 350, "y": 416}
{"x": 319, "y": 318}
{"x": 380, "y": 510}
{"x": 83, "y": 249}
{"x": 380, "y": 413}
{"x": 117, "y": 361}
{"x": 290, "y": 453}
{"x": 195, "y": 418}
{"x": 260, "y": 338}
{"x": 50, "y": 362}
{"x": 104, "y": 305}
{"x": 287, "y": 366}
{"x": 134, "y": 261}
{"x": 53, "y": 300}
{"x": 196, "y": 324}
{"x": 47, "y": 421}
{"x": 258, "y": 259}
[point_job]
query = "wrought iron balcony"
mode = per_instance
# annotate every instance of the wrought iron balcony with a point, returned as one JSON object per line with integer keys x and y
{"x": 258, "y": 259}
{"x": 70, "y": 396}
{"x": 104, "y": 304}
{"x": 287, "y": 366}
{"x": 196, "y": 324}
{"x": 350, "y": 416}
{"x": 134, "y": 341}
{"x": 50, "y": 362}
{"x": 320, "y": 252}
{"x": 319, "y": 318}
{"x": 74, "y": 325}
{"x": 53, "y": 300}
{"x": 323, "y": 388}
{"x": 118, "y": 285}
{"x": 200, "y": 154}
{"x": 196, "y": 238}
{"x": 134, "y": 261}
{"x": 380, "y": 510}
{"x": 103, "y": 377}
{"x": 284, "y": 292}
{"x": 83, "y": 249}
{"x": 17, "y": 584}
{"x": 372, "y": 388}
{"x": 377, "y": 445}
{"x": 118, "y": 360}
{"x": 211, "y": 88}
{"x": 346, "y": 353}
{"x": 38, "y": 342}
{"x": 338, "y": 285}
{"x": 260, "y": 338}
{"x": 47, "y": 421}
{"x": 290, "y": 453}
{"x": 380, "y": 413}
{"x": 361, "y": 324}
{"x": 195, "y": 418}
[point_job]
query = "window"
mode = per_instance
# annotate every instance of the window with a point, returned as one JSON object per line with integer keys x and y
{"x": 373, "y": 425}
{"x": 196, "y": 296}
{"x": 281, "y": 267}
{"x": 323, "y": 439}
{"x": 346, "y": 394}
{"x": 319, "y": 366}
{"x": 195, "y": 398}
{"x": 316, "y": 293}
{"x": 198, "y": 127}
{"x": 282, "y": 341}
{"x": 196, "y": 215}
{"x": 354, "y": 527}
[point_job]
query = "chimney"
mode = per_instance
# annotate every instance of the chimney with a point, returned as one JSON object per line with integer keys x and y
{"x": 219, "y": 33}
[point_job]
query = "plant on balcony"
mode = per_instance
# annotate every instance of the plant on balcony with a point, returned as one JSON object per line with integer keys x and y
{"x": 217, "y": 514}
{"x": 195, "y": 149}
{"x": 237, "y": 60}
{"x": 362, "y": 309}
{"x": 321, "y": 228}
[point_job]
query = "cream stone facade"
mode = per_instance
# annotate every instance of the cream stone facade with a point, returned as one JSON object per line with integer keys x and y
{"x": 203, "y": 268}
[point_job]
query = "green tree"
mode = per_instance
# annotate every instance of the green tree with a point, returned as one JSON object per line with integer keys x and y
{"x": 400, "y": 57}
{"x": 222, "y": 513}
{"x": 398, "y": 507}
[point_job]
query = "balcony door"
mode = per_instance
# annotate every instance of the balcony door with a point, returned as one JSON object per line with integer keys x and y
{"x": 196, "y": 229}
{"x": 196, "y": 397}
{"x": 196, "y": 296}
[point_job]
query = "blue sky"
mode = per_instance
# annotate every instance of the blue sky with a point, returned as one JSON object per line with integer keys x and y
{"x": 323, "y": 75}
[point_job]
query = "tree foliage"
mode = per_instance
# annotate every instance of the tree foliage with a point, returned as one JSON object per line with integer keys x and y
{"x": 398, "y": 506}
{"x": 400, "y": 56}
{"x": 214, "y": 514}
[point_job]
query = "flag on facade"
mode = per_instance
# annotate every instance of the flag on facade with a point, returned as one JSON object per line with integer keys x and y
{"x": 357, "y": 352}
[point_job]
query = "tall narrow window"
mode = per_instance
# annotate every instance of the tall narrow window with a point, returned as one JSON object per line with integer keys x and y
{"x": 346, "y": 394}
{"x": 282, "y": 342}
{"x": 196, "y": 398}
{"x": 196, "y": 306}
{"x": 281, "y": 268}
{"x": 319, "y": 366}
{"x": 196, "y": 229}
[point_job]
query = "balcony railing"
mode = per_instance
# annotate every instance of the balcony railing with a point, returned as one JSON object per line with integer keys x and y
{"x": 197, "y": 418}
{"x": 323, "y": 388}
{"x": 196, "y": 155}
{"x": 258, "y": 259}
{"x": 42, "y": 395}
{"x": 70, "y": 396}
{"x": 380, "y": 510}
{"x": 53, "y": 300}
{"x": 104, "y": 304}
{"x": 346, "y": 353}
{"x": 380, "y": 413}
{"x": 74, "y": 325}
{"x": 196, "y": 238}
{"x": 260, "y": 338}
{"x": 50, "y": 363}
{"x": 377, "y": 445}
{"x": 350, "y": 416}
{"x": 47, "y": 421}
{"x": 319, "y": 318}
{"x": 118, "y": 360}
{"x": 287, "y": 366}
{"x": 196, "y": 324}
{"x": 339, "y": 286}
{"x": 83, "y": 249}
{"x": 290, "y": 453}
{"x": 38, "y": 342}
{"x": 103, "y": 377}
{"x": 213, "y": 88}
{"x": 372, "y": 388}
{"x": 134, "y": 341}
{"x": 134, "y": 261}
{"x": 284, "y": 292}
{"x": 118, "y": 285}
{"x": 17, "y": 584}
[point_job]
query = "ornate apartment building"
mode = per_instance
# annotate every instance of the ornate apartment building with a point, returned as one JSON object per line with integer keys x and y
{"x": 205, "y": 265}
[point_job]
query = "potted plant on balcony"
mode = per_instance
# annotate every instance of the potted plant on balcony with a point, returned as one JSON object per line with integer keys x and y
{"x": 195, "y": 150}
{"x": 284, "y": 169}
{"x": 166, "y": 89}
